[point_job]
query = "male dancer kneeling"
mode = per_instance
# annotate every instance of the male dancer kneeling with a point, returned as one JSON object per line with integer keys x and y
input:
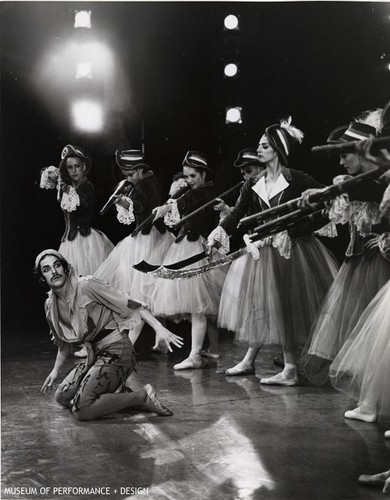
{"x": 88, "y": 310}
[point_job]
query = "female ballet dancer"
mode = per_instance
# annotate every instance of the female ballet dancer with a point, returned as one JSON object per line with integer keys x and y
{"x": 151, "y": 244}
{"x": 273, "y": 300}
{"x": 196, "y": 299}
{"x": 366, "y": 267}
{"x": 85, "y": 247}
{"x": 362, "y": 367}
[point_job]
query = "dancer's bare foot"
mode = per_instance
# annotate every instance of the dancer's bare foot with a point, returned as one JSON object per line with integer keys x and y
{"x": 358, "y": 414}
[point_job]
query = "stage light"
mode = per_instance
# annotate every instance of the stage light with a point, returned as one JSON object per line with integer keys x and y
{"x": 231, "y": 22}
{"x": 82, "y": 19}
{"x": 233, "y": 115}
{"x": 84, "y": 70}
{"x": 231, "y": 69}
{"x": 87, "y": 116}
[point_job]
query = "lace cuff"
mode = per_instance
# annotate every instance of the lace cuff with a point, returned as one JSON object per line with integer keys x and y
{"x": 340, "y": 211}
{"x": 365, "y": 216}
{"x": 282, "y": 242}
{"x": 70, "y": 201}
{"x": 176, "y": 186}
{"x": 384, "y": 207}
{"x": 171, "y": 218}
{"x": 49, "y": 177}
{"x": 220, "y": 235}
{"x": 384, "y": 245}
{"x": 125, "y": 215}
{"x": 329, "y": 230}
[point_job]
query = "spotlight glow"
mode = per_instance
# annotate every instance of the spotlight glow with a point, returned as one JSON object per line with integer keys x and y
{"x": 233, "y": 115}
{"x": 83, "y": 70}
{"x": 87, "y": 116}
{"x": 231, "y": 70}
{"x": 231, "y": 22}
{"x": 82, "y": 19}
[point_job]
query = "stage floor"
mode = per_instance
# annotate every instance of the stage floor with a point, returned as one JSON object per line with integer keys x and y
{"x": 229, "y": 438}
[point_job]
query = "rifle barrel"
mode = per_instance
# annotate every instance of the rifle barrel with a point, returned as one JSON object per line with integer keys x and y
{"x": 320, "y": 196}
{"x": 210, "y": 203}
{"x": 149, "y": 220}
{"x": 352, "y": 147}
{"x": 111, "y": 200}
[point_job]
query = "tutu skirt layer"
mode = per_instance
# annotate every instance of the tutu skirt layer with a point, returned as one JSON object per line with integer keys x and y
{"x": 179, "y": 299}
{"x": 117, "y": 269}
{"x": 362, "y": 367}
{"x": 86, "y": 253}
{"x": 274, "y": 300}
{"x": 357, "y": 282}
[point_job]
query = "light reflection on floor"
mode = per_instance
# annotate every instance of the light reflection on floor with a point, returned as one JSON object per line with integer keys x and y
{"x": 230, "y": 456}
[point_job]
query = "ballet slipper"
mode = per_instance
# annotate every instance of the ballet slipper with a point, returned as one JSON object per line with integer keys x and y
{"x": 237, "y": 371}
{"x": 207, "y": 354}
{"x": 190, "y": 364}
{"x": 287, "y": 378}
{"x": 387, "y": 434}
{"x": 357, "y": 414}
{"x": 152, "y": 403}
{"x": 82, "y": 353}
{"x": 373, "y": 479}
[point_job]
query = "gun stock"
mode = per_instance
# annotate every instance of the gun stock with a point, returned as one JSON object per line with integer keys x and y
{"x": 121, "y": 187}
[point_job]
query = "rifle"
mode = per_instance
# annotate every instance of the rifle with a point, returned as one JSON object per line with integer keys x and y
{"x": 120, "y": 189}
{"x": 174, "y": 271}
{"x": 149, "y": 220}
{"x": 353, "y": 147}
{"x": 325, "y": 194}
{"x": 210, "y": 203}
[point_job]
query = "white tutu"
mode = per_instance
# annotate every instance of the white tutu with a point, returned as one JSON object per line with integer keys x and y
{"x": 274, "y": 300}
{"x": 357, "y": 282}
{"x": 362, "y": 367}
{"x": 117, "y": 269}
{"x": 178, "y": 299}
{"x": 86, "y": 253}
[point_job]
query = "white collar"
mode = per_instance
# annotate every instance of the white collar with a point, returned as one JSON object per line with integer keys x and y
{"x": 260, "y": 189}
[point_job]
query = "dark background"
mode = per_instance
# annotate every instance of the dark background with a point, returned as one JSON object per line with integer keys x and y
{"x": 321, "y": 62}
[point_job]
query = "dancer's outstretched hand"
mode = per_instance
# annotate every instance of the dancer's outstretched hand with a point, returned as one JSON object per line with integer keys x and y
{"x": 167, "y": 338}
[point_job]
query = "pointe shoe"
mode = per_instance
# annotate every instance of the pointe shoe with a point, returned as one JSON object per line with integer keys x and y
{"x": 373, "y": 479}
{"x": 357, "y": 414}
{"x": 237, "y": 372}
{"x": 152, "y": 403}
{"x": 387, "y": 434}
{"x": 207, "y": 354}
{"x": 82, "y": 353}
{"x": 280, "y": 379}
{"x": 190, "y": 364}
